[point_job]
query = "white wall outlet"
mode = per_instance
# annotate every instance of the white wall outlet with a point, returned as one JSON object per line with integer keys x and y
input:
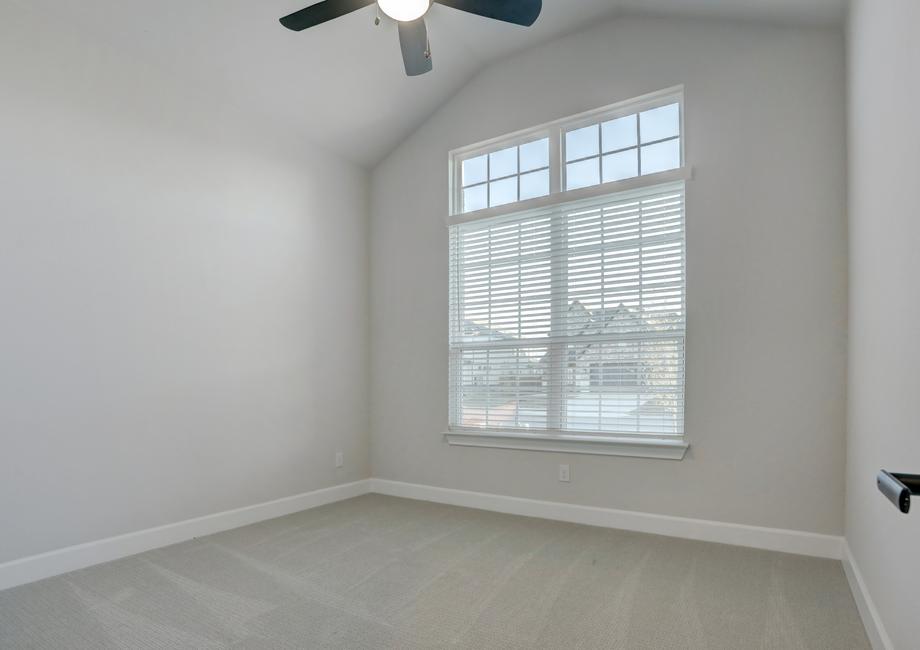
{"x": 564, "y": 473}
{"x": 339, "y": 459}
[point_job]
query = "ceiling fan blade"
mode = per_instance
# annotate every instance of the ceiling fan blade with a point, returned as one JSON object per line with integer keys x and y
{"x": 413, "y": 40}
{"x": 321, "y": 12}
{"x": 519, "y": 12}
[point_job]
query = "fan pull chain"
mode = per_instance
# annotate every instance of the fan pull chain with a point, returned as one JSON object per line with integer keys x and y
{"x": 427, "y": 42}
{"x": 377, "y": 19}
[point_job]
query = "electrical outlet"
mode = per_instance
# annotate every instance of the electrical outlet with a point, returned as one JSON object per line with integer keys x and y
{"x": 339, "y": 459}
{"x": 564, "y": 473}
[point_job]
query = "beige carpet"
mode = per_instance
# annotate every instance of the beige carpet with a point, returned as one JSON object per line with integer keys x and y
{"x": 380, "y": 572}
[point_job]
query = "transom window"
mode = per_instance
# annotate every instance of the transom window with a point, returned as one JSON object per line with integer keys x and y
{"x": 506, "y": 176}
{"x": 625, "y": 141}
{"x": 624, "y": 147}
{"x": 567, "y": 285}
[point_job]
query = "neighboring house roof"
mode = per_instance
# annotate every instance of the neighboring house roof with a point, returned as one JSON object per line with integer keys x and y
{"x": 589, "y": 322}
{"x": 473, "y": 331}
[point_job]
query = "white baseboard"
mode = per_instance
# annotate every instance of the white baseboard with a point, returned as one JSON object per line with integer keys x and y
{"x": 772, "y": 539}
{"x": 875, "y": 630}
{"x": 70, "y": 558}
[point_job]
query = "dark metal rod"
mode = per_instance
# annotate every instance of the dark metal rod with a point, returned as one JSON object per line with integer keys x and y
{"x": 898, "y": 488}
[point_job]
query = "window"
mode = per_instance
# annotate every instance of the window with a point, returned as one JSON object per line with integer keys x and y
{"x": 624, "y": 147}
{"x": 567, "y": 310}
{"x": 506, "y": 176}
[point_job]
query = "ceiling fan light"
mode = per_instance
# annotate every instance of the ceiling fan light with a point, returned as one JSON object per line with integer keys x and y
{"x": 404, "y": 10}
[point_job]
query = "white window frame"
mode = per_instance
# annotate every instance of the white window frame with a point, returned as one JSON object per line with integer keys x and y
{"x": 555, "y": 132}
{"x": 615, "y": 445}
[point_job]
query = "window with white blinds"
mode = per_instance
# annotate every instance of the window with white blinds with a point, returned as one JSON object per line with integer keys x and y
{"x": 570, "y": 319}
{"x": 567, "y": 308}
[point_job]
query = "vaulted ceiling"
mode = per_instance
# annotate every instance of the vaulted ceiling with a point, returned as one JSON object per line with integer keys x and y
{"x": 342, "y": 85}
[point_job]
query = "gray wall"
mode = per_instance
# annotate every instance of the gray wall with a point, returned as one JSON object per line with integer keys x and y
{"x": 183, "y": 300}
{"x": 765, "y": 130}
{"x": 884, "y": 385}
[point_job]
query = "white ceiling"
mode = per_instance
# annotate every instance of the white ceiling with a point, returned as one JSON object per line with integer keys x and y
{"x": 341, "y": 85}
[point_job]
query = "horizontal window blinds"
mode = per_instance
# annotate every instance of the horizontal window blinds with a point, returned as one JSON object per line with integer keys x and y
{"x": 571, "y": 318}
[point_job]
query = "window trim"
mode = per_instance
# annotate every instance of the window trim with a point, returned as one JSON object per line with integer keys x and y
{"x": 594, "y": 191}
{"x": 663, "y": 448}
{"x": 549, "y": 440}
{"x": 555, "y": 131}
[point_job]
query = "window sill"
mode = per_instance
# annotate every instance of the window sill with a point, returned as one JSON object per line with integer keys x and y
{"x": 572, "y": 444}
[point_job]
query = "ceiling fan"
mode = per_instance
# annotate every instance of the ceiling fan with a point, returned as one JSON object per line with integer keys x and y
{"x": 413, "y": 34}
